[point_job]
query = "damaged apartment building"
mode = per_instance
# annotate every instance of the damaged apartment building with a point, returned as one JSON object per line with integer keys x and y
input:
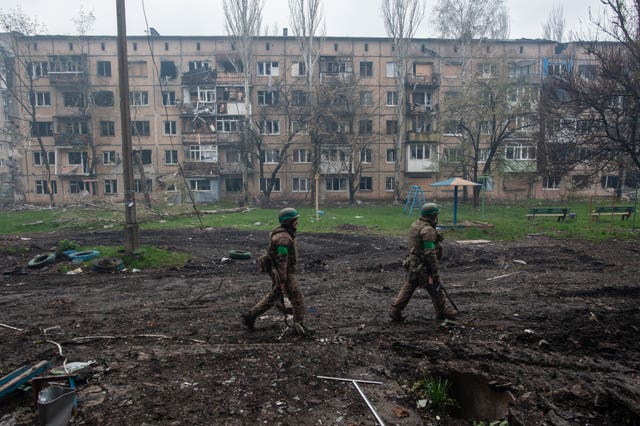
{"x": 201, "y": 130}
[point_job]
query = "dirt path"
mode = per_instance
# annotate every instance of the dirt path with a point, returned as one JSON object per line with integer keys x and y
{"x": 548, "y": 334}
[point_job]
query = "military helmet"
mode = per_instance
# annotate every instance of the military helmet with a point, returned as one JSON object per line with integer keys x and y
{"x": 287, "y": 214}
{"x": 429, "y": 209}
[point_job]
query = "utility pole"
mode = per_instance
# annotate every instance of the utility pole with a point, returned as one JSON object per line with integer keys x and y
{"x": 131, "y": 230}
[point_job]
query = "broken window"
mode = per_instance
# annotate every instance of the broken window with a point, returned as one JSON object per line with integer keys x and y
{"x": 203, "y": 153}
{"x": 73, "y": 99}
{"x": 66, "y": 64}
{"x": 365, "y": 127}
{"x": 336, "y": 65}
{"x": 42, "y": 128}
{"x": 145, "y": 155}
{"x": 199, "y": 65}
{"x": 103, "y": 98}
{"x": 73, "y": 127}
{"x": 168, "y": 70}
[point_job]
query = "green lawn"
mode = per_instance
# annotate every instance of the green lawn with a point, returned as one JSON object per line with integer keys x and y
{"x": 508, "y": 220}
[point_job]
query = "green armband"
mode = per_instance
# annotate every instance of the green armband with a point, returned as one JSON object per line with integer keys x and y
{"x": 428, "y": 245}
{"x": 283, "y": 250}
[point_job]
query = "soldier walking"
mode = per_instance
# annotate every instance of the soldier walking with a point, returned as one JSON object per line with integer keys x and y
{"x": 280, "y": 264}
{"x": 425, "y": 250}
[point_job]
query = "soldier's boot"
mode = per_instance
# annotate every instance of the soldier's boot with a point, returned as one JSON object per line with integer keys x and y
{"x": 301, "y": 330}
{"x": 396, "y": 315}
{"x": 248, "y": 320}
{"x": 443, "y": 311}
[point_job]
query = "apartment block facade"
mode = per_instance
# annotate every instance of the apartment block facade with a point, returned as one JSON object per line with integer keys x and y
{"x": 189, "y": 101}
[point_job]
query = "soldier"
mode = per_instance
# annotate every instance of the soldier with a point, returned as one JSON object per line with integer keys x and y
{"x": 422, "y": 265}
{"x": 280, "y": 263}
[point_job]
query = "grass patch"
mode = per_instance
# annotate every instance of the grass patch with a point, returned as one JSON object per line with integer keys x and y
{"x": 508, "y": 220}
{"x": 147, "y": 257}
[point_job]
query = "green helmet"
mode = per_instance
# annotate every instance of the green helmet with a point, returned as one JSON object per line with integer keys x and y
{"x": 287, "y": 214}
{"x": 429, "y": 209}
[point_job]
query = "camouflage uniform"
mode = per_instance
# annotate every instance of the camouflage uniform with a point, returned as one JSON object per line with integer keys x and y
{"x": 425, "y": 250}
{"x": 280, "y": 263}
{"x": 281, "y": 269}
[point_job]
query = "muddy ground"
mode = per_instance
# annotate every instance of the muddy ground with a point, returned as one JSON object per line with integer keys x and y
{"x": 548, "y": 335}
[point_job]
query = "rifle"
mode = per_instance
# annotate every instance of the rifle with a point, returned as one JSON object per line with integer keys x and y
{"x": 278, "y": 282}
{"x": 448, "y": 297}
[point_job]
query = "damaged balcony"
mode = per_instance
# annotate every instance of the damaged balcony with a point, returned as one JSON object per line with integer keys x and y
{"x": 199, "y": 138}
{"x": 72, "y": 140}
{"x": 72, "y": 170}
{"x": 199, "y": 76}
{"x": 69, "y": 79}
{"x": 423, "y": 80}
{"x": 200, "y": 169}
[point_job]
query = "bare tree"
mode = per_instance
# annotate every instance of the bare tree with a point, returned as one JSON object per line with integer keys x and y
{"x": 490, "y": 110}
{"x": 307, "y": 23}
{"x": 243, "y": 22}
{"x": 401, "y": 21}
{"x": 19, "y": 79}
{"x": 467, "y": 20}
{"x": 554, "y": 27}
{"x": 590, "y": 113}
{"x": 308, "y": 26}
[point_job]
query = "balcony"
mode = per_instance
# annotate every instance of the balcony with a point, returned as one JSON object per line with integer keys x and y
{"x": 422, "y": 166}
{"x": 67, "y": 79}
{"x": 199, "y": 139}
{"x": 232, "y": 108}
{"x": 72, "y": 141}
{"x": 230, "y": 79}
{"x": 419, "y": 136}
{"x": 417, "y": 109}
{"x": 228, "y": 139}
{"x": 423, "y": 80}
{"x": 334, "y": 167}
{"x": 200, "y": 169}
{"x": 72, "y": 170}
{"x": 233, "y": 169}
{"x": 199, "y": 77}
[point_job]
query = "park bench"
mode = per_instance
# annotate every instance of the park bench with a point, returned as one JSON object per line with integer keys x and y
{"x": 559, "y": 212}
{"x": 623, "y": 211}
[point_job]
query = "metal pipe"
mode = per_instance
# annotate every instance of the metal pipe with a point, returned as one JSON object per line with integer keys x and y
{"x": 366, "y": 400}
{"x": 349, "y": 380}
{"x": 355, "y": 383}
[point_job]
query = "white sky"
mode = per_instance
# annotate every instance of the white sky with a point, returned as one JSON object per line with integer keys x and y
{"x": 355, "y": 18}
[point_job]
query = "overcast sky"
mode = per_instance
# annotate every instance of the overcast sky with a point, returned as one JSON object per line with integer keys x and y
{"x": 356, "y": 18}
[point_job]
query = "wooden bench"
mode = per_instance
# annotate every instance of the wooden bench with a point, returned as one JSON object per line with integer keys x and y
{"x": 623, "y": 211}
{"x": 559, "y": 212}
